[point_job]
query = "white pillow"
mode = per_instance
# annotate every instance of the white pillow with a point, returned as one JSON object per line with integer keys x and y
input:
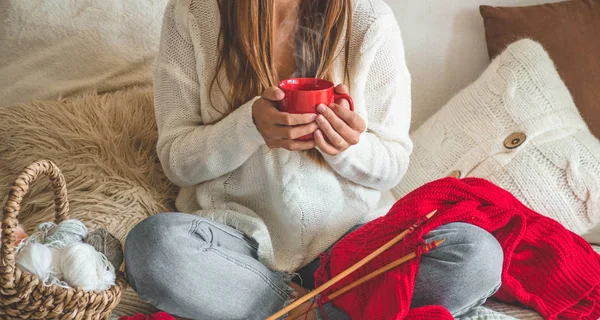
{"x": 518, "y": 127}
{"x": 63, "y": 47}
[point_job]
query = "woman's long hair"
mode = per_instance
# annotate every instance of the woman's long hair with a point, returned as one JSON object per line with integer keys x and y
{"x": 246, "y": 45}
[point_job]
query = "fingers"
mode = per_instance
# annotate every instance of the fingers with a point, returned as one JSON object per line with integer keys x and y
{"x": 270, "y": 113}
{"x": 342, "y": 89}
{"x": 273, "y": 94}
{"x": 280, "y": 129}
{"x": 336, "y": 129}
{"x": 288, "y": 119}
{"x": 323, "y": 145}
{"x": 285, "y": 132}
{"x": 351, "y": 118}
{"x": 333, "y": 135}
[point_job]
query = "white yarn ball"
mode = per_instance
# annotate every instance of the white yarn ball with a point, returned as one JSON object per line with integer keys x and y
{"x": 65, "y": 234}
{"x": 110, "y": 278}
{"x": 56, "y": 275}
{"x": 35, "y": 258}
{"x": 84, "y": 267}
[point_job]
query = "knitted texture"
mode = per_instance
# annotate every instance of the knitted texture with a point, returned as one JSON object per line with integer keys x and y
{"x": 546, "y": 267}
{"x": 228, "y": 174}
{"x": 156, "y": 316}
{"x": 555, "y": 171}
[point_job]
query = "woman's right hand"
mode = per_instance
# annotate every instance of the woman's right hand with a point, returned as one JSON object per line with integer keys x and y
{"x": 279, "y": 129}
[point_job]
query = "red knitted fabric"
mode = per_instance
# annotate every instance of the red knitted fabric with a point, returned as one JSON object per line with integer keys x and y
{"x": 545, "y": 266}
{"x": 157, "y": 316}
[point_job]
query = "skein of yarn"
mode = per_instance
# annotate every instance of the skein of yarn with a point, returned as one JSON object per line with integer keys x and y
{"x": 38, "y": 236}
{"x": 104, "y": 242}
{"x": 35, "y": 258}
{"x": 84, "y": 267}
{"x": 65, "y": 234}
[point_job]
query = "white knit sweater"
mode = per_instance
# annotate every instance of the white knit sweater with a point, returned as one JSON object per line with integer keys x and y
{"x": 290, "y": 206}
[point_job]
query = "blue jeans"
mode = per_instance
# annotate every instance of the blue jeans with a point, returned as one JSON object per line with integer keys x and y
{"x": 200, "y": 269}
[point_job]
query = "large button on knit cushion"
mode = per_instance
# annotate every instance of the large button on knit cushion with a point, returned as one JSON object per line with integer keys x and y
{"x": 105, "y": 147}
{"x": 517, "y": 126}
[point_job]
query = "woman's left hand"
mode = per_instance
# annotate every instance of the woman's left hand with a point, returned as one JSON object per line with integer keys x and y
{"x": 339, "y": 128}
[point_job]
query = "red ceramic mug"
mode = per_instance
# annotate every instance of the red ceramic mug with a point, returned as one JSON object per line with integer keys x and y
{"x": 303, "y": 95}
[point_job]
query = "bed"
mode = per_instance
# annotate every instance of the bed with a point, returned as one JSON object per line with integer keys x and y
{"x": 88, "y": 66}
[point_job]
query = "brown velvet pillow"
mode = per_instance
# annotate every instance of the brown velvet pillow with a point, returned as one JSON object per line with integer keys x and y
{"x": 569, "y": 31}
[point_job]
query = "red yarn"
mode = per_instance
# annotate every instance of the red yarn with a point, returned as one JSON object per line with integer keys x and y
{"x": 546, "y": 267}
{"x": 157, "y": 316}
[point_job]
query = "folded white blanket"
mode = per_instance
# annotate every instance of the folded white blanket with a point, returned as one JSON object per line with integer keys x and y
{"x": 63, "y": 47}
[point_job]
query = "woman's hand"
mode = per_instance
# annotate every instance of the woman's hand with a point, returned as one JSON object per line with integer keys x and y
{"x": 279, "y": 129}
{"x": 339, "y": 128}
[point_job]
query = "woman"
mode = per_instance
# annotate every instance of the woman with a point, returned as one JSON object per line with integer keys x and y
{"x": 260, "y": 206}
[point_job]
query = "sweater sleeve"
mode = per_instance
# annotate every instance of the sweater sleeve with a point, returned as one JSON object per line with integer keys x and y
{"x": 190, "y": 151}
{"x": 381, "y": 157}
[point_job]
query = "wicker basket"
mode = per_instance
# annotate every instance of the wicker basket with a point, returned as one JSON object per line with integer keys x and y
{"x": 22, "y": 294}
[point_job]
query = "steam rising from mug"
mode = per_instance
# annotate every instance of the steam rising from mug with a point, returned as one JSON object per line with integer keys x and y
{"x": 306, "y": 42}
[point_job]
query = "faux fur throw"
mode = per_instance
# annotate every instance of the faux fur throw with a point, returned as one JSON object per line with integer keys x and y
{"x": 105, "y": 147}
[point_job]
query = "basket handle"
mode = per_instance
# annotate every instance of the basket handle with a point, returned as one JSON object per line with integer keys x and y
{"x": 10, "y": 212}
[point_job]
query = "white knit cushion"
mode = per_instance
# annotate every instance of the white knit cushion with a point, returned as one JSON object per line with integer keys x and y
{"x": 63, "y": 47}
{"x": 555, "y": 171}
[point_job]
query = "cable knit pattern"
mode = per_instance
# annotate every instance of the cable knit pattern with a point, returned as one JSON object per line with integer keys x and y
{"x": 555, "y": 170}
{"x": 291, "y": 206}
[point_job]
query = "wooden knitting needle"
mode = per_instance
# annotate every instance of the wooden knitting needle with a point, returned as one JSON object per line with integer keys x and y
{"x": 295, "y": 314}
{"x": 348, "y": 271}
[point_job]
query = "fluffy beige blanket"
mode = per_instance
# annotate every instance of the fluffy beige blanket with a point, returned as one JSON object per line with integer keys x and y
{"x": 105, "y": 147}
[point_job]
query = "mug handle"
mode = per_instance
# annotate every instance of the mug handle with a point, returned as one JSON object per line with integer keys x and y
{"x": 347, "y": 97}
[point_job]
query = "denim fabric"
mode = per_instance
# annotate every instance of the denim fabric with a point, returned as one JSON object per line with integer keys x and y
{"x": 199, "y": 269}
